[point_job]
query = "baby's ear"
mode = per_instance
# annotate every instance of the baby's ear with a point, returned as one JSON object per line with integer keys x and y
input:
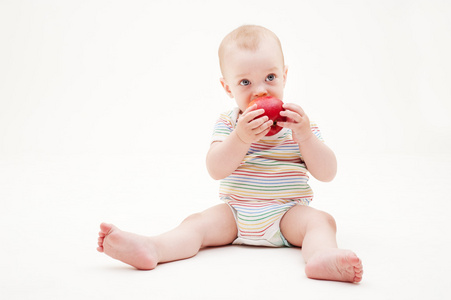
{"x": 226, "y": 87}
{"x": 285, "y": 73}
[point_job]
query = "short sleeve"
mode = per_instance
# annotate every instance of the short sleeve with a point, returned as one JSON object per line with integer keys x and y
{"x": 316, "y": 131}
{"x": 225, "y": 125}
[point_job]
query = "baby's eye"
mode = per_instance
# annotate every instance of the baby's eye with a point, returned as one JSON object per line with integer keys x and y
{"x": 245, "y": 82}
{"x": 270, "y": 77}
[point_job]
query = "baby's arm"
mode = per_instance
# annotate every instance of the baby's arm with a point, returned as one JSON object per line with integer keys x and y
{"x": 225, "y": 157}
{"x": 318, "y": 157}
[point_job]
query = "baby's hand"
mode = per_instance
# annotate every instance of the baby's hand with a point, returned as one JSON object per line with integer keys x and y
{"x": 297, "y": 121}
{"x": 251, "y": 129}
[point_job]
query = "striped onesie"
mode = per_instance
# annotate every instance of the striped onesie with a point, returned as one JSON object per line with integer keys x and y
{"x": 271, "y": 179}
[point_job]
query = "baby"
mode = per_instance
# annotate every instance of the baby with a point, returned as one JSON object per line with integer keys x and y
{"x": 263, "y": 178}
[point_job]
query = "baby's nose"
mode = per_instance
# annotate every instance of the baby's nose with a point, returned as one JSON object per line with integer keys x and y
{"x": 260, "y": 91}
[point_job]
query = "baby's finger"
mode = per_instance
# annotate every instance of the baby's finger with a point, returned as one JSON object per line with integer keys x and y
{"x": 294, "y": 107}
{"x": 250, "y": 114}
{"x": 264, "y": 129}
{"x": 250, "y": 108}
{"x": 257, "y": 122}
{"x": 288, "y": 125}
{"x": 291, "y": 116}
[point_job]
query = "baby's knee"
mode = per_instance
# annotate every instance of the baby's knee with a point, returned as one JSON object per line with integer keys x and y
{"x": 196, "y": 217}
{"x": 327, "y": 218}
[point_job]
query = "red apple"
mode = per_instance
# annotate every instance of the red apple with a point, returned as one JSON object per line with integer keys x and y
{"x": 272, "y": 107}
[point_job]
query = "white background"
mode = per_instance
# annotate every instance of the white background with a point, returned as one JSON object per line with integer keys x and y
{"x": 106, "y": 112}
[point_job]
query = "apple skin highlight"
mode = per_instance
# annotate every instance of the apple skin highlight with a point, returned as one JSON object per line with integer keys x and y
{"x": 272, "y": 107}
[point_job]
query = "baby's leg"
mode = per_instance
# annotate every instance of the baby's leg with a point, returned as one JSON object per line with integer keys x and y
{"x": 214, "y": 227}
{"x": 315, "y": 232}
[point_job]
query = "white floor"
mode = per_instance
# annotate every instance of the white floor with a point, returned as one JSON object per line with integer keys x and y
{"x": 392, "y": 210}
{"x": 141, "y": 76}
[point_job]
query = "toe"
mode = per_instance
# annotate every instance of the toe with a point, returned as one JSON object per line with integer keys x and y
{"x": 353, "y": 259}
{"x": 106, "y": 228}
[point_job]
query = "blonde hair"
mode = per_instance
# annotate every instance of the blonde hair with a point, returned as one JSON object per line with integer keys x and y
{"x": 246, "y": 37}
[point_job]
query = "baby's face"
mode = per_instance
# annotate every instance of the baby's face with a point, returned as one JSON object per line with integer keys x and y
{"x": 251, "y": 74}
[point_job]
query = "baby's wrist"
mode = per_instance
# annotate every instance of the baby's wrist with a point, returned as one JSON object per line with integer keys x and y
{"x": 305, "y": 138}
{"x": 241, "y": 139}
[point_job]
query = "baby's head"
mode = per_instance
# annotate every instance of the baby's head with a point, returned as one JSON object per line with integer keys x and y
{"x": 247, "y": 37}
{"x": 252, "y": 64}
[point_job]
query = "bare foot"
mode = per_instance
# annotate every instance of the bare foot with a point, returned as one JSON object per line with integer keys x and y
{"x": 135, "y": 250}
{"x": 335, "y": 264}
